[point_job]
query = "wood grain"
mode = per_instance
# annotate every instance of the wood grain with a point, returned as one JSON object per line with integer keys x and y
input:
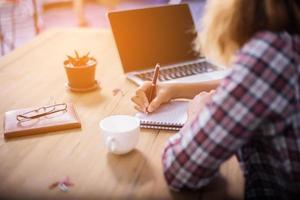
{"x": 34, "y": 75}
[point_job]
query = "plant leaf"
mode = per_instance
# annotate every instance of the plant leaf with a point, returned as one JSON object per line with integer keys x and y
{"x": 77, "y": 55}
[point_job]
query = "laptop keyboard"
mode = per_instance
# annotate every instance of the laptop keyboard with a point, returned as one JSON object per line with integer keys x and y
{"x": 179, "y": 71}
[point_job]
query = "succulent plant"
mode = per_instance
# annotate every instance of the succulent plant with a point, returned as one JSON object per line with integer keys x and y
{"x": 78, "y": 60}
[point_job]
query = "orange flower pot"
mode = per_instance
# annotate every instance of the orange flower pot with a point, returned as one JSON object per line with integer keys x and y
{"x": 81, "y": 77}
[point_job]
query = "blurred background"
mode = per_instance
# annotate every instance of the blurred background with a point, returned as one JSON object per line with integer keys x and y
{"x": 22, "y": 20}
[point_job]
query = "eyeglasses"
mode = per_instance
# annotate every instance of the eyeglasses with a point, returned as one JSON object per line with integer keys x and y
{"x": 42, "y": 111}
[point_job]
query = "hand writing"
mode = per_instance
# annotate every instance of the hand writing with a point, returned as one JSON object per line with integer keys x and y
{"x": 163, "y": 93}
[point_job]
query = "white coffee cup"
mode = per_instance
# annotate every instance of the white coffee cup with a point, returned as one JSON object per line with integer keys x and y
{"x": 120, "y": 133}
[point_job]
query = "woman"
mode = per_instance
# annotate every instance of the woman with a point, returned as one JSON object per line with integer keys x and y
{"x": 254, "y": 112}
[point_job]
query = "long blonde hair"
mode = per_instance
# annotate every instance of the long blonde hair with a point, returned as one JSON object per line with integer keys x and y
{"x": 228, "y": 24}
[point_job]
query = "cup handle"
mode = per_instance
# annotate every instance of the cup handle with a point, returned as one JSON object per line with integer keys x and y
{"x": 111, "y": 144}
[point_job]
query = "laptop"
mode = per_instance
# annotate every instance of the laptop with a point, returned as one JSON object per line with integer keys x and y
{"x": 161, "y": 34}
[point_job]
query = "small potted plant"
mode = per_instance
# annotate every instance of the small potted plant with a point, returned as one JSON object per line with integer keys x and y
{"x": 81, "y": 72}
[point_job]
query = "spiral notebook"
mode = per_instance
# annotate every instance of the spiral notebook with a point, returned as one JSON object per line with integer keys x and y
{"x": 171, "y": 116}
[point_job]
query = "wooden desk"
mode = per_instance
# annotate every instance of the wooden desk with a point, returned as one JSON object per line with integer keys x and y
{"x": 31, "y": 76}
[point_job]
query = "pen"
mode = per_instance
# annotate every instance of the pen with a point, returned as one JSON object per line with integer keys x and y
{"x": 153, "y": 84}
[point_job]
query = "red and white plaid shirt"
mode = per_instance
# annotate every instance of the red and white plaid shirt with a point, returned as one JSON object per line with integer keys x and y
{"x": 254, "y": 114}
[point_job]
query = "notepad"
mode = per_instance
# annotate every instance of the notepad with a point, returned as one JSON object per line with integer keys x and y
{"x": 58, "y": 121}
{"x": 171, "y": 116}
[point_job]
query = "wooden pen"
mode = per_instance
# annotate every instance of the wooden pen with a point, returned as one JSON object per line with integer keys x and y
{"x": 153, "y": 84}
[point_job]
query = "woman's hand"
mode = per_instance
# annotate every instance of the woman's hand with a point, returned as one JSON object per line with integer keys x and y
{"x": 163, "y": 93}
{"x": 197, "y": 104}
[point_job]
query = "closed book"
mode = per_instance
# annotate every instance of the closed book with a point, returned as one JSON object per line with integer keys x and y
{"x": 57, "y": 121}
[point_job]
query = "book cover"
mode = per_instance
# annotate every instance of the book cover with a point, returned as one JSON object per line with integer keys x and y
{"x": 54, "y": 121}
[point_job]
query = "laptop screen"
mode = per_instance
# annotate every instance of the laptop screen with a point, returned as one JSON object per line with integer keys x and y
{"x": 147, "y": 36}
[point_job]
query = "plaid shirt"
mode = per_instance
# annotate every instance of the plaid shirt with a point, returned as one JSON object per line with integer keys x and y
{"x": 254, "y": 114}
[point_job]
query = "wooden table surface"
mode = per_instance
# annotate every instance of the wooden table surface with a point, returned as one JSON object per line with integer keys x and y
{"x": 33, "y": 75}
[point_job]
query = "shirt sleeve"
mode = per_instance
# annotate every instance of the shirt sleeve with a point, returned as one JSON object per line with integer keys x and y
{"x": 192, "y": 157}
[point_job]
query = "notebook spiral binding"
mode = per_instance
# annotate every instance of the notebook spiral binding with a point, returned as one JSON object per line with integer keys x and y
{"x": 161, "y": 125}
{"x": 170, "y": 128}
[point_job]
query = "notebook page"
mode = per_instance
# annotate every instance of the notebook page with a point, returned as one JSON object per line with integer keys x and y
{"x": 172, "y": 114}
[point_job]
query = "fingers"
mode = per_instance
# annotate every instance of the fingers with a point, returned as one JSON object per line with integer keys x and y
{"x": 203, "y": 97}
{"x": 200, "y": 95}
{"x": 146, "y": 85}
{"x": 140, "y": 104}
{"x": 204, "y": 94}
{"x": 141, "y": 94}
{"x": 141, "y": 100}
{"x": 155, "y": 103}
{"x": 138, "y": 109}
{"x": 212, "y": 92}
{"x": 138, "y": 101}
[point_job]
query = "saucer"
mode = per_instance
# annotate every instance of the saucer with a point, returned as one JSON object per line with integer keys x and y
{"x": 95, "y": 86}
